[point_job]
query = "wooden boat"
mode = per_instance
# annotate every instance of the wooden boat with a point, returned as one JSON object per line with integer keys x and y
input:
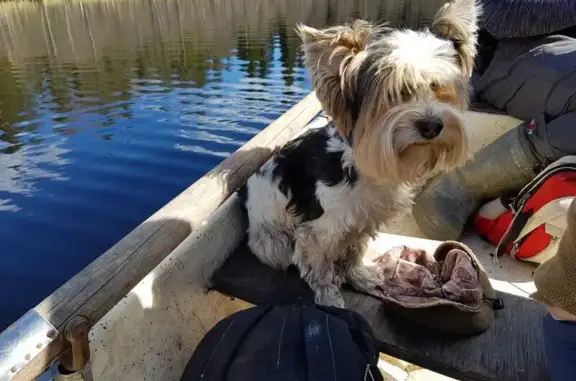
{"x": 138, "y": 311}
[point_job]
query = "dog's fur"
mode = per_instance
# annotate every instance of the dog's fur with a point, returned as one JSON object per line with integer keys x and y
{"x": 395, "y": 99}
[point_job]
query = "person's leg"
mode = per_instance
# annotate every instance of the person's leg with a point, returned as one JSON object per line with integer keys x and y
{"x": 560, "y": 341}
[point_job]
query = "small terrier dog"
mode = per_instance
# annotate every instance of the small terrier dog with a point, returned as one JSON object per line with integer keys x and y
{"x": 395, "y": 100}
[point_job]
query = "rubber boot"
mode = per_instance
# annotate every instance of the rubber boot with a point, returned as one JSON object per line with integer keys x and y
{"x": 501, "y": 168}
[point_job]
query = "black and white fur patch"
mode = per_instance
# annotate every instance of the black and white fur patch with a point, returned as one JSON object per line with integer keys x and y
{"x": 320, "y": 155}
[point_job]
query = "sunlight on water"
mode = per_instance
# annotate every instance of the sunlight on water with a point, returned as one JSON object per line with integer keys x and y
{"x": 109, "y": 109}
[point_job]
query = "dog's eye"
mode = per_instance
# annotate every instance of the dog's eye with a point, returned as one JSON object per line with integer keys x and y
{"x": 434, "y": 86}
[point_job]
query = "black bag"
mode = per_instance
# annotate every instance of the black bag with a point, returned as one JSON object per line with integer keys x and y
{"x": 287, "y": 343}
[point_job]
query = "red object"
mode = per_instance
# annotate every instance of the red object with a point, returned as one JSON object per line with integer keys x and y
{"x": 501, "y": 224}
{"x": 493, "y": 229}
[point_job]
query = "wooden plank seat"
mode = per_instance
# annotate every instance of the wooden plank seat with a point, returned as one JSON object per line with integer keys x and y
{"x": 511, "y": 350}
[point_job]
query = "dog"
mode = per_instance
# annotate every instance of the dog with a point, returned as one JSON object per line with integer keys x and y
{"x": 395, "y": 100}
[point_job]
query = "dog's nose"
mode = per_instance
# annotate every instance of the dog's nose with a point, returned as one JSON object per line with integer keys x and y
{"x": 429, "y": 128}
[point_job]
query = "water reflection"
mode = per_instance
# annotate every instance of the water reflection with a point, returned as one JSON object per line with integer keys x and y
{"x": 108, "y": 109}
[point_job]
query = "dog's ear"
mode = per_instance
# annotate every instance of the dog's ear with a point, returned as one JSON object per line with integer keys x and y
{"x": 330, "y": 57}
{"x": 457, "y": 21}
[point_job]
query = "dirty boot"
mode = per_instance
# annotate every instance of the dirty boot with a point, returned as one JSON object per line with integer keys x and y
{"x": 503, "y": 167}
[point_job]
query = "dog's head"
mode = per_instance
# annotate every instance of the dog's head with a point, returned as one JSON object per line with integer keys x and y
{"x": 398, "y": 94}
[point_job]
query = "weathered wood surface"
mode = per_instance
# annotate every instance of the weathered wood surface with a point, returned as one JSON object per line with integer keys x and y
{"x": 511, "y": 350}
{"x": 99, "y": 286}
{"x": 152, "y": 332}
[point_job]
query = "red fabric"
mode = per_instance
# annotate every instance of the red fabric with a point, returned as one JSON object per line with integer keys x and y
{"x": 493, "y": 230}
{"x": 560, "y": 185}
{"x": 534, "y": 243}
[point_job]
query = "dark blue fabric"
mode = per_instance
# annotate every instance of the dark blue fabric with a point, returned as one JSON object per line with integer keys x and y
{"x": 526, "y": 18}
{"x": 532, "y": 76}
{"x": 560, "y": 341}
{"x": 287, "y": 343}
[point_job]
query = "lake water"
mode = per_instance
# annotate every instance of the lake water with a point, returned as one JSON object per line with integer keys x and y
{"x": 109, "y": 109}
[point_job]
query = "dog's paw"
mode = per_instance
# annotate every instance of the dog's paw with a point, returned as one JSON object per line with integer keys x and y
{"x": 369, "y": 279}
{"x": 339, "y": 278}
{"x": 329, "y": 296}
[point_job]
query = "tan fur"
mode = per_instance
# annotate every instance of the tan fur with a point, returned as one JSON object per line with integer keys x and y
{"x": 452, "y": 93}
{"x": 458, "y": 21}
{"x": 388, "y": 155}
{"x": 329, "y": 54}
{"x": 378, "y": 69}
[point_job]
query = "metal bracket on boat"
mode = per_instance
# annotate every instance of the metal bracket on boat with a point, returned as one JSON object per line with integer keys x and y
{"x": 72, "y": 364}
{"x": 76, "y": 333}
{"x": 22, "y": 342}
